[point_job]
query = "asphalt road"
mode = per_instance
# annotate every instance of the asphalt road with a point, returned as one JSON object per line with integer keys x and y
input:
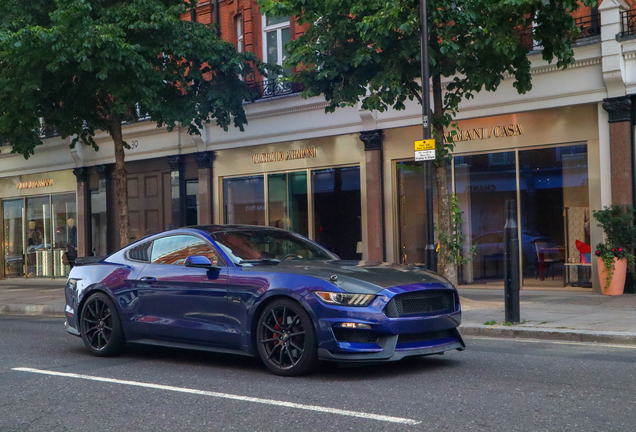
{"x": 495, "y": 385}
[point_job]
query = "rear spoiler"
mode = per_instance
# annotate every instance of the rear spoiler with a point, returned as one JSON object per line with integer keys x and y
{"x": 88, "y": 260}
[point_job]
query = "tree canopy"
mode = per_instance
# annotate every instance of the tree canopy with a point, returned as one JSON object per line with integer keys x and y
{"x": 88, "y": 65}
{"x": 80, "y": 63}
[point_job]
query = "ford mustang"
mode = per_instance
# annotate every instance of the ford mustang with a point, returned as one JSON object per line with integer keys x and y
{"x": 262, "y": 292}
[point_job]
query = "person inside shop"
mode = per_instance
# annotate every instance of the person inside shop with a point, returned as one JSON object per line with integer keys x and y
{"x": 34, "y": 240}
{"x": 70, "y": 255}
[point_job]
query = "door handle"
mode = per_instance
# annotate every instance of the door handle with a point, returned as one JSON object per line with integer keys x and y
{"x": 148, "y": 279}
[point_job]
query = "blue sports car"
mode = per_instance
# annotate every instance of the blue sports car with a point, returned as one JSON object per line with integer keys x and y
{"x": 261, "y": 292}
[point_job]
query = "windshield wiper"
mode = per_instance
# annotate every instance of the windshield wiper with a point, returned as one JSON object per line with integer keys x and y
{"x": 269, "y": 261}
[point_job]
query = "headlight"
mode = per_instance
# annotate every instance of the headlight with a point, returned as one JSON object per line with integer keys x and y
{"x": 345, "y": 299}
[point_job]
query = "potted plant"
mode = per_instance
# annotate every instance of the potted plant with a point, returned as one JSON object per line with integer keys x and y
{"x": 612, "y": 255}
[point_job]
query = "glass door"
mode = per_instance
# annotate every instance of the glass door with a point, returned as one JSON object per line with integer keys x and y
{"x": 244, "y": 200}
{"x": 64, "y": 233}
{"x": 38, "y": 236}
{"x": 14, "y": 236}
{"x": 338, "y": 210}
{"x": 287, "y": 199}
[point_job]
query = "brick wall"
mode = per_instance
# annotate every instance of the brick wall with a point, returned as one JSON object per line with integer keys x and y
{"x": 229, "y": 11}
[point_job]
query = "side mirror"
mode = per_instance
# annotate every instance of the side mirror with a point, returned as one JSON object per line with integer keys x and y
{"x": 200, "y": 261}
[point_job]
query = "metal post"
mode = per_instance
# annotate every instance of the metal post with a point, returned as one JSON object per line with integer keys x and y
{"x": 511, "y": 264}
{"x": 431, "y": 257}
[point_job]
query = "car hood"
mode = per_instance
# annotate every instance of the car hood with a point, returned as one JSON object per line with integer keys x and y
{"x": 361, "y": 277}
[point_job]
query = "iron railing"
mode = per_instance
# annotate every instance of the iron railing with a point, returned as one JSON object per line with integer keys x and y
{"x": 589, "y": 26}
{"x": 628, "y": 23}
{"x": 274, "y": 87}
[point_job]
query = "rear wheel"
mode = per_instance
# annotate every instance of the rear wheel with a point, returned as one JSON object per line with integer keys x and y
{"x": 286, "y": 339}
{"x": 100, "y": 326}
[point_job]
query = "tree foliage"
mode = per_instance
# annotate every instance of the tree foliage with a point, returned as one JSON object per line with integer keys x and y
{"x": 76, "y": 63}
{"x": 88, "y": 65}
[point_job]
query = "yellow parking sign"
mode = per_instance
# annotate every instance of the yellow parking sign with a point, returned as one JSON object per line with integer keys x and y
{"x": 425, "y": 150}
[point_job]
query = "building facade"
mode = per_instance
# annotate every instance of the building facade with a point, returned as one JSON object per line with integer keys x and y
{"x": 349, "y": 180}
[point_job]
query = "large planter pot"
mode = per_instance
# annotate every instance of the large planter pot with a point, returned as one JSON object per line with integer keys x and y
{"x": 617, "y": 285}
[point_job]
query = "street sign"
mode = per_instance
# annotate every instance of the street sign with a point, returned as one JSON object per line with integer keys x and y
{"x": 425, "y": 150}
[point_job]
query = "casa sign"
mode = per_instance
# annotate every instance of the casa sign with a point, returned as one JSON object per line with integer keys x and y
{"x": 481, "y": 133}
{"x": 34, "y": 184}
{"x": 280, "y": 156}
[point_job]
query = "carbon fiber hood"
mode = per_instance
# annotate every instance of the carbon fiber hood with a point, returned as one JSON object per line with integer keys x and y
{"x": 356, "y": 276}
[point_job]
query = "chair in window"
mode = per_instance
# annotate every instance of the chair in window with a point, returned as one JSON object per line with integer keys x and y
{"x": 546, "y": 258}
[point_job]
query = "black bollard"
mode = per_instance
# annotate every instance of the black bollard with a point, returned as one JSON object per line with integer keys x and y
{"x": 511, "y": 264}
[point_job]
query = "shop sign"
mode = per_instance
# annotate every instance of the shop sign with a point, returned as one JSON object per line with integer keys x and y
{"x": 280, "y": 156}
{"x": 34, "y": 184}
{"x": 504, "y": 131}
{"x": 424, "y": 150}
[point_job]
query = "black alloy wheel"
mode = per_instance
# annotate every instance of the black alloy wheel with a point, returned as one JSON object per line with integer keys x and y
{"x": 100, "y": 326}
{"x": 286, "y": 339}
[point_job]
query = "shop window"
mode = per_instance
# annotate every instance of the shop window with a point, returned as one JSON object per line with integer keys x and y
{"x": 287, "y": 195}
{"x": 555, "y": 216}
{"x": 483, "y": 183}
{"x": 14, "y": 236}
{"x": 193, "y": 212}
{"x": 244, "y": 200}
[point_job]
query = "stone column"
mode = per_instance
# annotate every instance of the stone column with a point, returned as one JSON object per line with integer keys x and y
{"x": 83, "y": 221}
{"x": 204, "y": 161}
{"x": 621, "y": 153}
{"x": 375, "y": 194}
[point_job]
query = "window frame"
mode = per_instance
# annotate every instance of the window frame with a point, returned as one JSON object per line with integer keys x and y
{"x": 239, "y": 28}
{"x": 279, "y": 40}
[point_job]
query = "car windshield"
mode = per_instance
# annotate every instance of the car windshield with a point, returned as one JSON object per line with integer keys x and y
{"x": 262, "y": 246}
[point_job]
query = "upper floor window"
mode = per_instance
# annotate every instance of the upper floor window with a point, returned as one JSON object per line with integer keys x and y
{"x": 276, "y": 33}
{"x": 240, "y": 47}
{"x": 175, "y": 249}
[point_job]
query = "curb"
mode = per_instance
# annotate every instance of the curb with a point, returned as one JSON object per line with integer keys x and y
{"x": 32, "y": 310}
{"x": 626, "y": 338}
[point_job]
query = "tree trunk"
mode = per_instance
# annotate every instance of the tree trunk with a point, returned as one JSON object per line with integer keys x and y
{"x": 445, "y": 266}
{"x": 121, "y": 181}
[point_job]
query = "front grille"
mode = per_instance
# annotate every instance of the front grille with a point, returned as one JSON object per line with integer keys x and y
{"x": 420, "y": 303}
{"x": 409, "y": 338}
{"x": 354, "y": 336}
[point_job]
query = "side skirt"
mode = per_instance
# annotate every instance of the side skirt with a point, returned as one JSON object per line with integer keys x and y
{"x": 182, "y": 345}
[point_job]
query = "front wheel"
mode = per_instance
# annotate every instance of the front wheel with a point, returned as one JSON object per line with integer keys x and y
{"x": 100, "y": 326}
{"x": 286, "y": 339}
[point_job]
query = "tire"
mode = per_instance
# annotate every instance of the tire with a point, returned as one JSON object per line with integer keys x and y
{"x": 286, "y": 339}
{"x": 101, "y": 327}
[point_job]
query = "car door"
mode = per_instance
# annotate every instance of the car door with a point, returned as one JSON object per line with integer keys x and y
{"x": 182, "y": 303}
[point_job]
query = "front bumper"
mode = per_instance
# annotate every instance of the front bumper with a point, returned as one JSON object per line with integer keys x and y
{"x": 385, "y": 338}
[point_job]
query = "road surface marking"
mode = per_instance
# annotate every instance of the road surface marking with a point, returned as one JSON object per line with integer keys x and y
{"x": 316, "y": 408}
{"x": 598, "y": 344}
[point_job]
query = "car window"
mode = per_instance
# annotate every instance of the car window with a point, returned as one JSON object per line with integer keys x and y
{"x": 175, "y": 249}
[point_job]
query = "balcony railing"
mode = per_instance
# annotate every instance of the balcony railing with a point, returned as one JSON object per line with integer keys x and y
{"x": 589, "y": 26}
{"x": 274, "y": 87}
{"x": 628, "y": 23}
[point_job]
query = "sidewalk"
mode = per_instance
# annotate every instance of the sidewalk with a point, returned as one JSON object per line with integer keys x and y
{"x": 575, "y": 315}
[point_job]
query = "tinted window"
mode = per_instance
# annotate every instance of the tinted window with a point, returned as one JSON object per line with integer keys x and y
{"x": 175, "y": 249}
{"x": 266, "y": 244}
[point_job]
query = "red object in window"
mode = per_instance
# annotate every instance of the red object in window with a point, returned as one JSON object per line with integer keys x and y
{"x": 582, "y": 247}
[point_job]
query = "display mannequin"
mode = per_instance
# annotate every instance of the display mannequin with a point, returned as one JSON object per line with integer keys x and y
{"x": 71, "y": 243}
{"x": 34, "y": 239}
